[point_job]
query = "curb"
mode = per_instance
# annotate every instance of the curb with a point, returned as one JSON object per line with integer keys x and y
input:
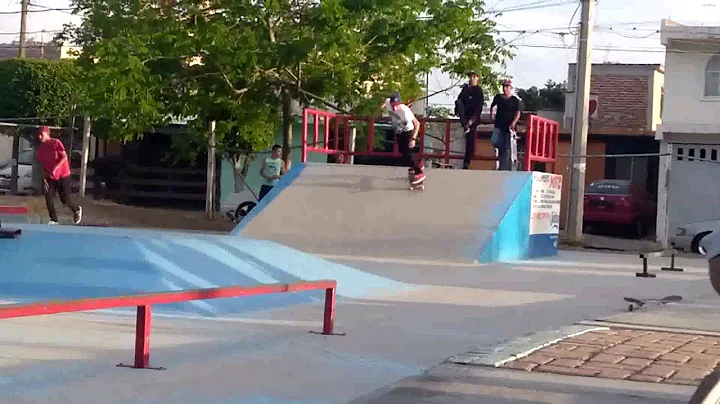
{"x": 509, "y": 350}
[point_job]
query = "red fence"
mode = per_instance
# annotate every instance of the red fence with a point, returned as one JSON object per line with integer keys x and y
{"x": 143, "y": 302}
{"x": 541, "y": 137}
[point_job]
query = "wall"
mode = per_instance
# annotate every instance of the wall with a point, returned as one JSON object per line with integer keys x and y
{"x": 684, "y": 81}
{"x": 628, "y": 95}
{"x": 693, "y": 185}
{"x": 595, "y": 171}
{"x": 657, "y": 84}
{"x": 229, "y": 200}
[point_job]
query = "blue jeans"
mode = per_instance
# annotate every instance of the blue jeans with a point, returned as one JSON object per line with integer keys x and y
{"x": 500, "y": 139}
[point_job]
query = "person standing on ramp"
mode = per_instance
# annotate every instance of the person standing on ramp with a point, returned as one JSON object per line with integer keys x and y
{"x": 505, "y": 111}
{"x": 468, "y": 107}
{"x": 271, "y": 170}
{"x": 406, "y": 128}
{"x": 53, "y": 158}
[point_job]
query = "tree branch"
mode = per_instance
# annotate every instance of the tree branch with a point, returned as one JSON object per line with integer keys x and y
{"x": 232, "y": 87}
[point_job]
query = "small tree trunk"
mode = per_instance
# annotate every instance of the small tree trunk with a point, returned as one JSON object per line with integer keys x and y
{"x": 241, "y": 165}
{"x": 15, "y": 156}
{"x": 287, "y": 127}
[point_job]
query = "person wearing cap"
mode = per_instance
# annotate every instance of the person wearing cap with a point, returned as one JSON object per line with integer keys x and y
{"x": 505, "y": 112}
{"x": 468, "y": 107}
{"x": 53, "y": 158}
{"x": 406, "y": 128}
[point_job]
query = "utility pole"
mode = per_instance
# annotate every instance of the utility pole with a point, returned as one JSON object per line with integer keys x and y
{"x": 580, "y": 124}
{"x": 23, "y": 28}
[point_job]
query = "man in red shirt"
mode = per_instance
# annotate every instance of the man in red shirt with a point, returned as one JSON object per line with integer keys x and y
{"x": 54, "y": 160}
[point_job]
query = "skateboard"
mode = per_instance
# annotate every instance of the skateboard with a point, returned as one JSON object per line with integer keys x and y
{"x": 513, "y": 150}
{"x": 420, "y": 185}
{"x": 639, "y": 303}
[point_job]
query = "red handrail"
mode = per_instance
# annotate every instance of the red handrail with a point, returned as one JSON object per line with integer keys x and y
{"x": 144, "y": 301}
{"x": 13, "y": 210}
{"x": 541, "y": 138}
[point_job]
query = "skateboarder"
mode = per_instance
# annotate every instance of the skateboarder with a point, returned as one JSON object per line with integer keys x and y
{"x": 271, "y": 170}
{"x": 54, "y": 160}
{"x": 406, "y": 128}
{"x": 505, "y": 111}
{"x": 468, "y": 107}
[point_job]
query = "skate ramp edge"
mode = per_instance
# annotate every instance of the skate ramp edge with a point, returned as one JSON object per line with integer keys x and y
{"x": 284, "y": 182}
{"x": 516, "y": 236}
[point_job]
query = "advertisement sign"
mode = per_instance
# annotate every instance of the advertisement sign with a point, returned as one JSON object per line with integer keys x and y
{"x": 545, "y": 204}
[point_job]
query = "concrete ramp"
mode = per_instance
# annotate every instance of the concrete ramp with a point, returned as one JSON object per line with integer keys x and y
{"x": 368, "y": 211}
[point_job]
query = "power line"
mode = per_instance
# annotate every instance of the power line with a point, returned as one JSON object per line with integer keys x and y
{"x": 45, "y": 10}
{"x": 537, "y": 5}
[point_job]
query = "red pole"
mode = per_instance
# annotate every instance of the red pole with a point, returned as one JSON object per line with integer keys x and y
{"x": 303, "y": 154}
{"x": 142, "y": 337}
{"x": 423, "y": 128}
{"x": 329, "y": 318}
{"x": 528, "y": 142}
{"x": 327, "y": 132}
{"x": 316, "y": 129}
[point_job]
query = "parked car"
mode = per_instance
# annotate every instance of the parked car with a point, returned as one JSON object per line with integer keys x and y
{"x": 619, "y": 203}
{"x": 688, "y": 237}
{"x": 25, "y": 163}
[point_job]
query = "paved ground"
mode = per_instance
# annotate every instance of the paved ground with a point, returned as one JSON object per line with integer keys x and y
{"x": 622, "y": 354}
{"x": 269, "y": 357}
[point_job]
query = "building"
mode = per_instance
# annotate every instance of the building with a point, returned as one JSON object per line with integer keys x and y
{"x": 689, "y": 181}
{"x": 39, "y": 50}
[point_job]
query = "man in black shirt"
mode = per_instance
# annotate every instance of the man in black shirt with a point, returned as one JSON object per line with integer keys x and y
{"x": 505, "y": 111}
{"x": 468, "y": 107}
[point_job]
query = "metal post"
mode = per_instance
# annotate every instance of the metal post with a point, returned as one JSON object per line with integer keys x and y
{"x": 580, "y": 124}
{"x": 329, "y": 317}
{"x": 142, "y": 337}
{"x": 23, "y": 28}
{"x": 210, "y": 187}
{"x": 85, "y": 153}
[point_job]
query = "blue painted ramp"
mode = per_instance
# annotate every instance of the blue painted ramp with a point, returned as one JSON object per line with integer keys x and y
{"x": 462, "y": 215}
{"x": 68, "y": 262}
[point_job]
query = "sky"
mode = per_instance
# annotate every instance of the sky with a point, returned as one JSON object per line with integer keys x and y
{"x": 543, "y": 31}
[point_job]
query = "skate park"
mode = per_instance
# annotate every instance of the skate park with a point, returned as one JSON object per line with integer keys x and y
{"x": 420, "y": 278}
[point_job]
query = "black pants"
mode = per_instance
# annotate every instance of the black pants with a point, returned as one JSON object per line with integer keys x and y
{"x": 63, "y": 187}
{"x": 470, "y": 140}
{"x": 264, "y": 189}
{"x": 408, "y": 155}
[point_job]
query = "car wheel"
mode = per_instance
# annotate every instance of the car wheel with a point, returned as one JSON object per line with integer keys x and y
{"x": 695, "y": 245}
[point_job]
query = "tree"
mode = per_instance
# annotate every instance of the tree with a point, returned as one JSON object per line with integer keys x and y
{"x": 437, "y": 111}
{"x": 552, "y": 96}
{"x": 242, "y": 62}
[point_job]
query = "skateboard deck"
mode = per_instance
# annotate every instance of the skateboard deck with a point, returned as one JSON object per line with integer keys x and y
{"x": 639, "y": 303}
{"x": 513, "y": 150}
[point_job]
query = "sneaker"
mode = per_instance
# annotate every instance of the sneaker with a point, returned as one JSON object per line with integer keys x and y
{"x": 52, "y": 223}
{"x": 77, "y": 217}
{"x": 418, "y": 178}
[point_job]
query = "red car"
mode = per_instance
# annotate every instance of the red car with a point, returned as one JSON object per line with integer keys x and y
{"x": 619, "y": 203}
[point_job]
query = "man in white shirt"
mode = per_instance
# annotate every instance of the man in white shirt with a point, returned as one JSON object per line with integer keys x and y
{"x": 406, "y": 128}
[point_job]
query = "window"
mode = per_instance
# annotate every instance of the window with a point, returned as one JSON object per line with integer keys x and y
{"x": 712, "y": 77}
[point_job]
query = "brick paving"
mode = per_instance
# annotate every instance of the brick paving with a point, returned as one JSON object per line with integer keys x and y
{"x": 621, "y": 354}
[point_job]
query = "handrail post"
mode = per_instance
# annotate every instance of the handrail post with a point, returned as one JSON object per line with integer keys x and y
{"x": 303, "y": 136}
{"x": 142, "y": 337}
{"x": 329, "y": 317}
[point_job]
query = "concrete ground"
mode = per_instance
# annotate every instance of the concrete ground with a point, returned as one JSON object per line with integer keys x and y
{"x": 269, "y": 356}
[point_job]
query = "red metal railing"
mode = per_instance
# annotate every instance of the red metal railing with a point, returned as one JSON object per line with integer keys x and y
{"x": 144, "y": 302}
{"x": 541, "y": 138}
{"x": 541, "y": 142}
{"x": 13, "y": 210}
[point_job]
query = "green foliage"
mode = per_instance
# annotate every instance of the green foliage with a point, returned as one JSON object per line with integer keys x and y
{"x": 229, "y": 60}
{"x": 552, "y": 96}
{"x": 436, "y": 111}
{"x": 38, "y": 88}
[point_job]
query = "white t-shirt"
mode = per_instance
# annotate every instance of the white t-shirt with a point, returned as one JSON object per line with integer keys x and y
{"x": 402, "y": 118}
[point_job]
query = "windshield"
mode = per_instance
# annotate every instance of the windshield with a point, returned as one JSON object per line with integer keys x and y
{"x": 609, "y": 188}
{"x": 25, "y": 157}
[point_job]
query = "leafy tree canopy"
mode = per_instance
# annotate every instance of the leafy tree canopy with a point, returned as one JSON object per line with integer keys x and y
{"x": 229, "y": 60}
{"x": 552, "y": 96}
